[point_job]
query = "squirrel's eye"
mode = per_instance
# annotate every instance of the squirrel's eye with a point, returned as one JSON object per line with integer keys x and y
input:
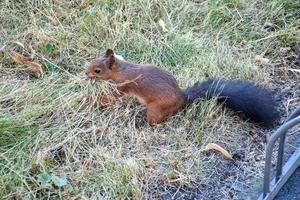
{"x": 97, "y": 71}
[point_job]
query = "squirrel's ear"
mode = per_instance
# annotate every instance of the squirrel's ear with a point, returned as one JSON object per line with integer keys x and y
{"x": 109, "y": 52}
{"x": 111, "y": 61}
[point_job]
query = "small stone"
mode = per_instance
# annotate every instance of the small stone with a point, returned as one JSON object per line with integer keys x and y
{"x": 285, "y": 50}
{"x": 258, "y": 157}
{"x": 269, "y": 26}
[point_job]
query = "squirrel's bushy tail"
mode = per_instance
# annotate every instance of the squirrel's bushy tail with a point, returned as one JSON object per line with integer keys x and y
{"x": 253, "y": 100}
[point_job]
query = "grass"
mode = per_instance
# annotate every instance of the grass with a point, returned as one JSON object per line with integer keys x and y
{"x": 110, "y": 152}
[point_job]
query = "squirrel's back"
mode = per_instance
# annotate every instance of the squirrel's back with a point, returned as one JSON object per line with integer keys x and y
{"x": 150, "y": 83}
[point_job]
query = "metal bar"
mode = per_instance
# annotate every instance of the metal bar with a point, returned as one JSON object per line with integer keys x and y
{"x": 291, "y": 165}
{"x": 294, "y": 114}
{"x": 282, "y": 130}
{"x": 281, "y": 146}
{"x": 280, "y": 156}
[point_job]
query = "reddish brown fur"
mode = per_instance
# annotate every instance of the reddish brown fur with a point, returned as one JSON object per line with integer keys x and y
{"x": 153, "y": 86}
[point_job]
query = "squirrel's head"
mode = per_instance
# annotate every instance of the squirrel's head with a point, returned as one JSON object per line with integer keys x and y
{"x": 102, "y": 68}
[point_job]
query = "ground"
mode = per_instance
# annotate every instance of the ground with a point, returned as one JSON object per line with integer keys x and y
{"x": 291, "y": 189}
{"x": 54, "y": 147}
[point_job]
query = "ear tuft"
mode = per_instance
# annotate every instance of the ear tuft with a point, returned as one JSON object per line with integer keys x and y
{"x": 109, "y": 52}
{"x": 111, "y": 61}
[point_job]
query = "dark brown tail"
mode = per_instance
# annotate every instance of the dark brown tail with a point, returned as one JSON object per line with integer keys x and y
{"x": 247, "y": 97}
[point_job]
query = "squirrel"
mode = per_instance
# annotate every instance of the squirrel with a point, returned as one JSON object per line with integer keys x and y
{"x": 160, "y": 92}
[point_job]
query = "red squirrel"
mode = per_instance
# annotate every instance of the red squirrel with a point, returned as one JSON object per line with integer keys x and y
{"x": 159, "y": 90}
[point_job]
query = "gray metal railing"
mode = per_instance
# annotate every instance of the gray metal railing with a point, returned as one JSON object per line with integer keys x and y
{"x": 271, "y": 188}
{"x": 281, "y": 145}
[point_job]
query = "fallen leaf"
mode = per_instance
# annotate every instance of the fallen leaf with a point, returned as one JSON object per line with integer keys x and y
{"x": 213, "y": 146}
{"x": 259, "y": 60}
{"x": 33, "y": 68}
{"x": 20, "y": 59}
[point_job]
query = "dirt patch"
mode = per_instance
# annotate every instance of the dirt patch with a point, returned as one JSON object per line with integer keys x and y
{"x": 285, "y": 77}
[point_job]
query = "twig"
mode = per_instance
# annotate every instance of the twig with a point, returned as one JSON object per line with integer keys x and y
{"x": 129, "y": 81}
